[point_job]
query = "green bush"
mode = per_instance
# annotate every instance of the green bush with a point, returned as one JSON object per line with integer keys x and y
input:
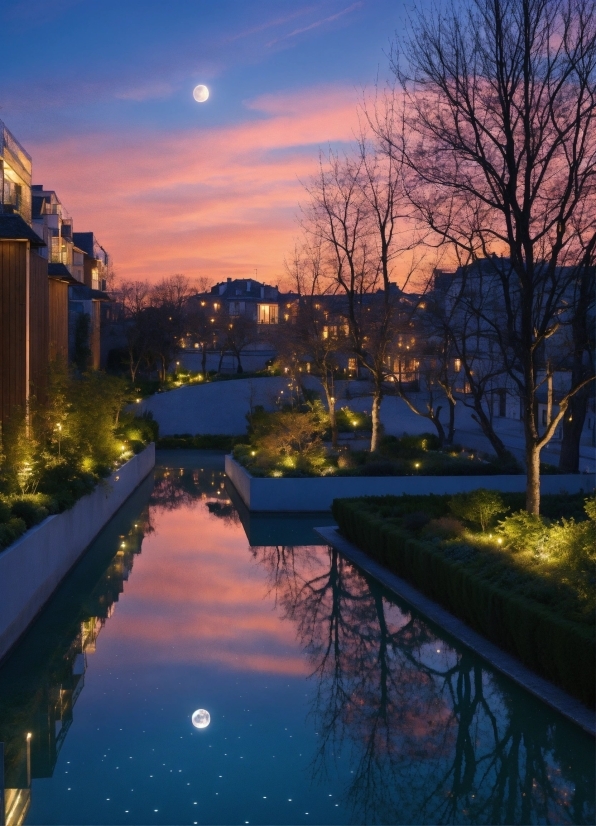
{"x": 207, "y": 441}
{"x": 524, "y": 530}
{"x": 479, "y": 506}
{"x": 5, "y": 512}
{"x": 11, "y": 530}
{"x": 546, "y": 622}
{"x": 348, "y": 420}
{"x": 28, "y": 510}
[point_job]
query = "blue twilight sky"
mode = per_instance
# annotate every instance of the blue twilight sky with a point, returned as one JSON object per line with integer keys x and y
{"x": 100, "y": 93}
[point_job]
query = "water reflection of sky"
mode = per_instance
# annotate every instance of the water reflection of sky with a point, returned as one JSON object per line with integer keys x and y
{"x": 329, "y": 702}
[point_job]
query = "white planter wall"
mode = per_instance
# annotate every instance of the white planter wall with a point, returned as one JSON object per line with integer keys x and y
{"x": 317, "y": 494}
{"x": 32, "y": 567}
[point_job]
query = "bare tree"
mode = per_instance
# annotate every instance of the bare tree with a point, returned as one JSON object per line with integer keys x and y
{"x": 165, "y": 316}
{"x": 133, "y": 297}
{"x": 318, "y": 332}
{"x": 239, "y": 331}
{"x": 354, "y": 213}
{"x": 498, "y": 134}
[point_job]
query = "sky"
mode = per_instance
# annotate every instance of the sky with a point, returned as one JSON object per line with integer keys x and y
{"x": 99, "y": 92}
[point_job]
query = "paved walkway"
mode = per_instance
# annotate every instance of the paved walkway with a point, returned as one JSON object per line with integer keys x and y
{"x": 222, "y": 407}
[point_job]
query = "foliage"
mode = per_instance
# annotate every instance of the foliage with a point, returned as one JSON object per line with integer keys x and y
{"x": 526, "y": 602}
{"x": 205, "y": 441}
{"x": 53, "y": 453}
{"x": 479, "y": 507}
{"x": 287, "y": 442}
{"x": 524, "y": 530}
{"x": 350, "y": 420}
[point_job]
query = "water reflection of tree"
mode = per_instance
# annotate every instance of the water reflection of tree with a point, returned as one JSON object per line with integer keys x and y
{"x": 432, "y": 736}
{"x": 182, "y": 487}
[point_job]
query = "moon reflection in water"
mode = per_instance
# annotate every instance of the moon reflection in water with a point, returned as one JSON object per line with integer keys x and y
{"x": 201, "y": 718}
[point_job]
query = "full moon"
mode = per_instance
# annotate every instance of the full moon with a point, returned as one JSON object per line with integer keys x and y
{"x": 200, "y": 93}
{"x": 201, "y": 718}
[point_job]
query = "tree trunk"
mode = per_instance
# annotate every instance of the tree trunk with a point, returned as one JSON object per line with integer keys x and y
{"x": 221, "y": 357}
{"x": 239, "y": 368}
{"x": 204, "y": 361}
{"x": 434, "y": 417}
{"x": 488, "y": 431}
{"x": 376, "y": 419}
{"x": 451, "y": 430}
{"x": 532, "y": 477}
{"x": 333, "y": 421}
{"x": 573, "y": 424}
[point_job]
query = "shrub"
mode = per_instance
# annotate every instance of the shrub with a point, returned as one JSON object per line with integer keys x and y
{"x": 445, "y": 527}
{"x": 5, "y": 512}
{"x": 11, "y": 530}
{"x": 523, "y": 531}
{"x": 348, "y": 420}
{"x": 479, "y": 506}
{"x": 29, "y": 511}
{"x": 416, "y": 521}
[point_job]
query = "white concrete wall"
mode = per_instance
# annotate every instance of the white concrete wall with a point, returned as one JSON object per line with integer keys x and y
{"x": 33, "y": 566}
{"x": 317, "y": 494}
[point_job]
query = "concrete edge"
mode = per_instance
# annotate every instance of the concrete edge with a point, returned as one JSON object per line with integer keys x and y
{"x": 507, "y": 664}
{"x": 37, "y": 600}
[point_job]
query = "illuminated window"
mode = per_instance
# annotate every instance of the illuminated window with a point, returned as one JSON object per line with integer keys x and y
{"x": 457, "y": 365}
{"x": 267, "y": 313}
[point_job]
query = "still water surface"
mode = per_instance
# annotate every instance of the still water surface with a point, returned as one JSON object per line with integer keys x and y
{"x": 330, "y": 700}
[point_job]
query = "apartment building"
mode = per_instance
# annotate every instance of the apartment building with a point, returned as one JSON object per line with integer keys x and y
{"x": 77, "y": 268}
{"x": 24, "y": 289}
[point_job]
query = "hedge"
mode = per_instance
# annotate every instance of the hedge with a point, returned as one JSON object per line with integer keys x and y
{"x": 561, "y": 650}
{"x": 208, "y": 441}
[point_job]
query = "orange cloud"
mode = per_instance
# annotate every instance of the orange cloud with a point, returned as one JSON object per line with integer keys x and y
{"x": 215, "y": 201}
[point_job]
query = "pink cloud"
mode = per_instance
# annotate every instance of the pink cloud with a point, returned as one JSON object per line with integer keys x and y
{"x": 214, "y": 201}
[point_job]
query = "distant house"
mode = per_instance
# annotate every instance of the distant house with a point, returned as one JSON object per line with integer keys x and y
{"x": 250, "y": 298}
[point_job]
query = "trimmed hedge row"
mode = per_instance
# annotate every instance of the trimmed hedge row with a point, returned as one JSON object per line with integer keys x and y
{"x": 208, "y": 441}
{"x": 558, "y": 649}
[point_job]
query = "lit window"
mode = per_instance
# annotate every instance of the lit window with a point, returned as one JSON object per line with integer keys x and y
{"x": 267, "y": 313}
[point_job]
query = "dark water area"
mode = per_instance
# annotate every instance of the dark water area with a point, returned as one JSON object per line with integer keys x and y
{"x": 330, "y": 700}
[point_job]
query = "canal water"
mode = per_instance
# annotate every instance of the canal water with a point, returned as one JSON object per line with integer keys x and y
{"x": 330, "y": 701}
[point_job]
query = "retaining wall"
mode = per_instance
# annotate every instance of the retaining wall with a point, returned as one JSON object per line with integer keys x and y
{"x": 317, "y": 494}
{"x": 32, "y": 567}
